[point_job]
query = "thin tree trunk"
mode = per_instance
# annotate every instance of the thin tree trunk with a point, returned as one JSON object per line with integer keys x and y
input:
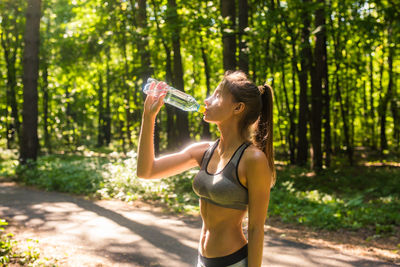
{"x": 326, "y": 94}
{"x": 316, "y": 90}
{"x": 127, "y": 93}
{"x": 182, "y": 122}
{"x": 291, "y": 110}
{"x": 45, "y": 89}
{"x": 364, "y": 114}
{"x": 383, "y": 101}
{"x": 143, "y": 43}
{"x": 228, "y": 12}
{"x": 206, "y": 127}
{"x": 371, "y": 103}
{"x": 10, "y": 49}
{"x": 107, "y": 115}
{"x": 305, "y": 63}
{"x": 291, "y": 117}
{"x": 344, "y": 118}
{"x": 243, "y": 63}
{"x": 171, "y": 136}
{"x": 46, "y": 99}
{"x": 146, "y": 68}
{"x": 388, "y": 97}
{"x": 100, "y": 108}
{"x": 29, "y": 141}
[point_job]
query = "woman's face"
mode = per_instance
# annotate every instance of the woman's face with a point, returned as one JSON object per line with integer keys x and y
{"x": 219, "y": 106}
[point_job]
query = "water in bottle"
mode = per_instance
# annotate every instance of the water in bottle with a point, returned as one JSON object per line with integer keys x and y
{"x": 175, "y": 97}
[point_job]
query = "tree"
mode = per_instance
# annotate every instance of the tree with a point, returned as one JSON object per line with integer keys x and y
{"x": 316, "y": 86}
{"x": 182, "y": 122}
{"x": 243, "y": 63}
{"x": 10, "y": 28}
{"x": 305, "y": 63}
{"x": 228, "y": 12}
{"x": 29, "y": 141}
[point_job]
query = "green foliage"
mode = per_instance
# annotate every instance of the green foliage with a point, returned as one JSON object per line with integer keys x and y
{"x": 348, "y": 198}
{"x": 107, "y": 177}
{"x": 72, "y": 174}
{"x": 8, "y": 162}
{"x": 22, "y": 253}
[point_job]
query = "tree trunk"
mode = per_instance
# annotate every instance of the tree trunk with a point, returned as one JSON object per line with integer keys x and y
{"x": 291, "y": 110}
{"x": 100, "y": 109}
{"x": 143, "y": 42}
{"x": 107, "y": 115}
{"x": 371, "y": 103}
{"x": 10, "y": 48}
{"x": 326, "y": 94}
{"x": 382, "y": 109}
{"x": 243, "y": 63}
{"x": 46, "y": 99}
{"x": 127, "y": 93}
{"x": 146, "y": 70}
{"x": 305, "y": 63}
{"x": 171, "y": 136}
{"x": 228, "y": 12}
{"x": 206, "y": 126}
{"x": 388, "y": 96}
{"x": 182, "y": 122}
{"x": 29, "y": 141}
{"x": 316, "y": 89}
{"x": 344, "y": 113}
{"x": 45, "y": 87}
{"x": 291, "y": 117}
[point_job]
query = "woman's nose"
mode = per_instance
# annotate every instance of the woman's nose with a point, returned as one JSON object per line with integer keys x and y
{"x": 207, "y": 101}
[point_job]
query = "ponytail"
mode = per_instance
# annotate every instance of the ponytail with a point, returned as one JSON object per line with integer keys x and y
{"x": 264, "y": 131}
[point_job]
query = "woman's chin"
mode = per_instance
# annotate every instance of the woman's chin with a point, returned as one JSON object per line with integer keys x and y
{"x": 206, "y": 119}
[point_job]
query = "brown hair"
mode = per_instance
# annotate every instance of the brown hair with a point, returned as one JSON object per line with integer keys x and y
{"x": 258, "y": 111}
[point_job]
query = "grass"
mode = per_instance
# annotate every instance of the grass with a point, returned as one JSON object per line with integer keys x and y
{"x": 20, "y": 253}
{"x": 352, "y": 198}
{"x": 337, "y": 198}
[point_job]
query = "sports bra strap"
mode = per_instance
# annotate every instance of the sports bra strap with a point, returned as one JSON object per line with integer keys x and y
{"x": 208, "y": 154}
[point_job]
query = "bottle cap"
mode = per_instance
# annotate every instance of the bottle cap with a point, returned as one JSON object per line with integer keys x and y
{"x": 201, "y": 109}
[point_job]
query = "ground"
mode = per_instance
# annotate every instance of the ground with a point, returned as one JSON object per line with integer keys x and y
{"x": 81, "y": 232}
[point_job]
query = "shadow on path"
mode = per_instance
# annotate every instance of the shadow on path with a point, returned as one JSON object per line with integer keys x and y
{"x": 34, "y": 208}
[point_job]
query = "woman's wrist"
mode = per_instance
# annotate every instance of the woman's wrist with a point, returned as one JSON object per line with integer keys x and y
{"x": 149, "y": 117}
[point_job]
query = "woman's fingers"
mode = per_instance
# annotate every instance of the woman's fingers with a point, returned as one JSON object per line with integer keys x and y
{"x": 155, "y": 97}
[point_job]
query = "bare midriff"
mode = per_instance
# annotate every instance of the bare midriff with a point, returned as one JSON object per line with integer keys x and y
{"x": 222, "y": 232}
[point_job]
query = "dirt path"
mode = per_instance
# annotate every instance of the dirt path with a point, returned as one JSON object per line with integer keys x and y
{"x": 112, "y": 233}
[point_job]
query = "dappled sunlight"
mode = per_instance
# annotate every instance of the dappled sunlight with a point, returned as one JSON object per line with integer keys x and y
{"x": 95, "y": 226}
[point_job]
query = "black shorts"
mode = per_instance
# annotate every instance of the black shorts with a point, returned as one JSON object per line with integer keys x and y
{"x": 236, "y": 259}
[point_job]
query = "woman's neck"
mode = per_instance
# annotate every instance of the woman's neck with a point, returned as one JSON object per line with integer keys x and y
{"x": 230, "y": 138}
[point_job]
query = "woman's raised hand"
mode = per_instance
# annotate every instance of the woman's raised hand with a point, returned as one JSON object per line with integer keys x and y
{"x": 155, "y": 98}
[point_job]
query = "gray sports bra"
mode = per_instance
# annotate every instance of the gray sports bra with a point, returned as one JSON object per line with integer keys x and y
{"x": 223, "y": 188}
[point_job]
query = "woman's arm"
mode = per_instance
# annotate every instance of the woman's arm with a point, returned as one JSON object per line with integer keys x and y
{"x": 147, "y": 166}
{"x": 258, "y": 176}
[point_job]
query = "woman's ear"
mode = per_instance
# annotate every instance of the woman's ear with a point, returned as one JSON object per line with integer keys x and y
{"x": 239, "y": 108}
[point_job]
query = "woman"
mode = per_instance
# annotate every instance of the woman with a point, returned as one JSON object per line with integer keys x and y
{"x": 235, "y": 174}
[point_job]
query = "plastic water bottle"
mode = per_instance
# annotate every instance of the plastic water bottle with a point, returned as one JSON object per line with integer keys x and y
{"x": 175, "y": 97}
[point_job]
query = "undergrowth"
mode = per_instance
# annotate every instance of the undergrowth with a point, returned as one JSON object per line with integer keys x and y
{"x": 345, "y": 197}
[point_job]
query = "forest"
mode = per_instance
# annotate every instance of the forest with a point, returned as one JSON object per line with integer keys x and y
{"x": 72, "y": 71}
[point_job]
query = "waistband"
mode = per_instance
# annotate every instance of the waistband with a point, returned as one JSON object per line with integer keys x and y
{"x": 225, "y": 260}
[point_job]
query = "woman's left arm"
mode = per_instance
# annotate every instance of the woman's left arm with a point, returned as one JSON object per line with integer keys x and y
{"x": 258, "y": 176}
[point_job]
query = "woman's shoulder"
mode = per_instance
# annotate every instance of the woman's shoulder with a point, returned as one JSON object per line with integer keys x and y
{"x": 254, "y": 155}
{"x": 199, "y": 145}
{"x": 198, "y": 148}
